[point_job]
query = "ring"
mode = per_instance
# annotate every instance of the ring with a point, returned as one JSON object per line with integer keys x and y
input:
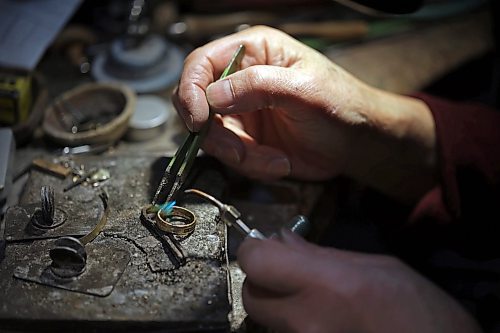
{"x": 180, "y": 221}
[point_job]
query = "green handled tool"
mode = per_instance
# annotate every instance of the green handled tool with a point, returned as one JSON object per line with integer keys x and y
{"x": 180, "y": 165}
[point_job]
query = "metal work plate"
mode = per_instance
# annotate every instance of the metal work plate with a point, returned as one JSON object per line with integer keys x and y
{"x": 18, "y": 226}
{"x": 80, "y": 209}
{"x": 152, "y": 293}
{"x": 93, "y": 281}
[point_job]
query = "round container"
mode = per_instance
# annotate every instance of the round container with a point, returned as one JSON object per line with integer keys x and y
{"x": 149, "y": 118}
{"x": 100, "y": 112}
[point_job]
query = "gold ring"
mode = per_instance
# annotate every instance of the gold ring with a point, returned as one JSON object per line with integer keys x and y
{"x": 180, "y": 221}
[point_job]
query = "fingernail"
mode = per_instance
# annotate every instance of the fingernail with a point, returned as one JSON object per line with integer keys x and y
{"x": 279, "y": 166}
{"x": 220, "y": 94}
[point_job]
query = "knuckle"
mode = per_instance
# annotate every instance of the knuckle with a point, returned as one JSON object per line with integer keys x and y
{"x": 193, "y": 55}
{"x": 260, "y": 87}
{"x": 260, "y": 28}
{"x": 253, "y": 81}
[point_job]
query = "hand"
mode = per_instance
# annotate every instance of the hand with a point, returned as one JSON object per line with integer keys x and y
{"x": 295, "y": 286}
{"x": 291, "y": 111}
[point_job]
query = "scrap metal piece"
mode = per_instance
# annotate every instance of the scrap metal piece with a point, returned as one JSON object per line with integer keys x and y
{"x": 102, "y": 222}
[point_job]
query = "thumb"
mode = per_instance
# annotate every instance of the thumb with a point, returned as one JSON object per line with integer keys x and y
{"x": 256, "y": 88}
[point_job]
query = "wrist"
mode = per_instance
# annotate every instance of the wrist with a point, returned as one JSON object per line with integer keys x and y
{"x": 397, "y": 153}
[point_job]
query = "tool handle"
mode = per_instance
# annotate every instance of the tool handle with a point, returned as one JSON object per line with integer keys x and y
{"x": 199, "y": 26}
{"x": 332, "y": 30}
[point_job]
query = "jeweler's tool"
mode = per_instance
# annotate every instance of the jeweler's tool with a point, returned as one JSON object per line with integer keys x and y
{"x": 84, "y": 149}
{"x": 148, "y": 215}
{"x": 232, "y": 217}
{"x": 180, "y": 165}
{"x": 229, "y": 214}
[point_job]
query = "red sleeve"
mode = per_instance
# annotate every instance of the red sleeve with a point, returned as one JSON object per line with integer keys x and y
{"x": 468, "y": 144}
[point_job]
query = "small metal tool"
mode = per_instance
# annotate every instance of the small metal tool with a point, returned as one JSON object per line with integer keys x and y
{"x": 180, "y": 165}
{"x": 229, "y": 214}
{"x": 84, "y": 149}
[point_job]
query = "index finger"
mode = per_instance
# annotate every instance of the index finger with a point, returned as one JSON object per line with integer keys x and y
{"x": 205, "y": 64}
{"x": 200, "y": 69}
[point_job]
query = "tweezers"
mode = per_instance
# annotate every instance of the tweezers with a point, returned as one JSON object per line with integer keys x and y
{"x": 180, "y": 165}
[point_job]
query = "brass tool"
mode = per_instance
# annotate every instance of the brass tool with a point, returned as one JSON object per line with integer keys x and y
{"x": 180, "y": 165}
{"x": 52, "y": 168}
{"x": 102, "y": 222}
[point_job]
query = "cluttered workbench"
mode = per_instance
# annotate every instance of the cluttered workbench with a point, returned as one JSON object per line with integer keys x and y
{"x": 90, "y": 133}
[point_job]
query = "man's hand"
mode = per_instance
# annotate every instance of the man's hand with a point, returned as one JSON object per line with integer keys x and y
{"x": 291, "y": 111}
{"x": 295, "y": 286}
